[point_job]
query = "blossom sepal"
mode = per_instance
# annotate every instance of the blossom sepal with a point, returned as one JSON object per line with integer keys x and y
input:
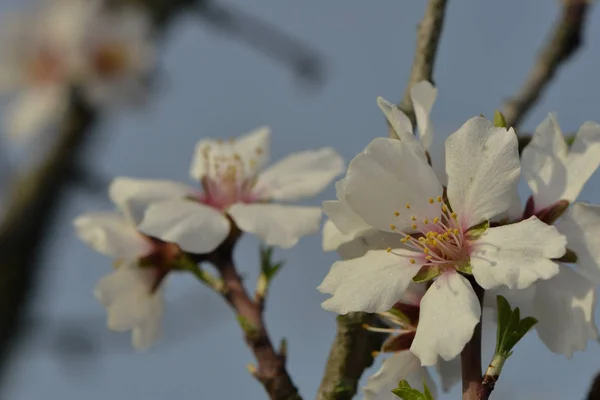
{"x": 476, "y": 231}
{"x": 428, "y": 273}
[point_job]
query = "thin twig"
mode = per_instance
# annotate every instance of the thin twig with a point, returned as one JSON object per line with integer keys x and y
{"x": 428, "y": 39}
{"x": 470, "y": 359}
{"x": 270, "y": 371}
{"x": 566, "y": 38}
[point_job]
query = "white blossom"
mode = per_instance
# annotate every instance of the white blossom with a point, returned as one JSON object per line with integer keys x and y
{"x": 131, "y": 293}
{"x": 391, "y": 187}
{"x": 46, "y": 51}
{"x": 354, "y": 237}
{"x": 234, "y": 187}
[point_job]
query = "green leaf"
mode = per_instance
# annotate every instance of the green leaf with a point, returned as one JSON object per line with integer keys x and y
{"x": 511, "y": 328}
{"x": 427, "y": 273}
{"x": 476, "y": 231}
{"x": 499, "y": 120}
{"x": 426, "y": 392}
{"x": 405, "y": 392}
{"x": 268, "y": 267}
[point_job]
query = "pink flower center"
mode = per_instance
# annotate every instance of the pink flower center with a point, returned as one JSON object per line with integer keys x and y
{"x": 45, "y": 67}
{"x": 230, "y": 180}
{"x": 441, "y": 242}
{"x": 110, "y": 59}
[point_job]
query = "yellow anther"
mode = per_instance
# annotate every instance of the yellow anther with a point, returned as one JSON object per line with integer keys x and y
{"x": 414, "y": 226}
{"x": 425, "y": 221}
{"x": 404, "y": 240}
{"x": 426, "y": 250}
{"x": 396, "y": 213}
{"x": 436, "y": 220}
{"x": 444, "y": 208}
{"x": 413, "y": 218}
{"x": 428, "y": 257}
{"x": 421, "y": 240}
{"x": 430, "y": 200}
{"x": 393, "y": 227}
{"x": 389, "y": 249}
{"x": 407, "y": 206}
{"x": 456, "y": 231}
{"x": 412, "y": 261}
{"x": 439, "y": 199}
{"x": 453, "y": 215}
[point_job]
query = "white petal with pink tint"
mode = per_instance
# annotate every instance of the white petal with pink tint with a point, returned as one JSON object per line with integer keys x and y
{"x": 483, "y": 168}
{"x": 300, "y": 175}
{"x": 402, "y": 126}
{"x": 370, "y": 283}
{"x": 111, "y": 234}
{"x": 133, "y": 196}
{"x": 385, "y": 177}
{"x": 449, "y": 312}
{"x": 275, "y": 224}
{"x": 564, "y": 307}
{"x": 517, "y": 255}
{"x": 583, "y": 159}
{"x": 398, "y": 366}
{"x": 196, "y": 228}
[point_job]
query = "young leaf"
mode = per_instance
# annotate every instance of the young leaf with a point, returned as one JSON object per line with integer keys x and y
{"x": 499, "y": 120}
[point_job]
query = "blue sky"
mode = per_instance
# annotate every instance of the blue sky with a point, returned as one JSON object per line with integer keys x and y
{"x": 215, "y": 87}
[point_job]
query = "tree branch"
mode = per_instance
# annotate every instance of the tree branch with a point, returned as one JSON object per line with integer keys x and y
{"x": 271, "y": 371}
{"x": 470, "y": 359}
{"x": 350, "y": 354}
{"x": 566, "y": 38}
{"x": 428, "y": 38}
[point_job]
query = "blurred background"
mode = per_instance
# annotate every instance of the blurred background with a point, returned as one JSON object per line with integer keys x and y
{"x": 312, "y": 71}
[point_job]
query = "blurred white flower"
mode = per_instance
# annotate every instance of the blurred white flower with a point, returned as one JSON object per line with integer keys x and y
{"x": 132, "y": 293}
{"x": 234, "y": 188}
{"x": 391, "y": 187}
{"x": 65, "y": 43}
{"x": 356, "y": 242}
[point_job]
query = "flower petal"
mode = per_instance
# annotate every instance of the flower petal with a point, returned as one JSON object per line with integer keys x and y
{"x": 483, "y": 168}
{"x": 126, "y": 293}
{"x": 342, "y": 214}
{"x": 452, "y": 304}
{"x": 132, "y": 196}
{"x": 402, "y": 126}
{"x": 144, "y": 335}
{"x": 544, "y": 163}
{"x": 111, "y": 234}
{"x": 374, "y": 282}
{"x": 423, "y": 95}
{"x": 399, "y": 366}
{"x": 252, "y": 148}
{"x": 583, "y": 159}
{"x": 449, "y": 372}
{"x": 353, "y": 246}
{"x": 564, "y": 307}
{"x": 275, "y": 224}
{"x": 581, "y": 225}
{"x": 33, "y": 111}
{"x": 387, "y": 176}
{"x": 196, "y": 228}
{"x": 300, "y": 175}
{"x": 517, "y": 255}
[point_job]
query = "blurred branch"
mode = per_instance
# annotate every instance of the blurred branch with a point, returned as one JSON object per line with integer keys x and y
{"x": 566, "y": 38}
{"x": 29, "y": 211}
{"x": 428, "y": 37}
{"x": 594, "y": 393}
{"x": 350, "y": 354}
{"x": 266, "y": 38}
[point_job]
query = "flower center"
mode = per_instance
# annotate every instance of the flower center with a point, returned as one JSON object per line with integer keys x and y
{"x": 440, "y": 241}
{"x": 45, "y": 67}
{"x": 110, "y": 59}
{"x": 229, "y": 179}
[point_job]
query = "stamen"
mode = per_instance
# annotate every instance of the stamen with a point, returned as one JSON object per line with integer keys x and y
{"x": 393, "y": 227}
{"x": 396, "y": 213}
{"x": 407, "y": 206}
{"x": 430, "y": 200}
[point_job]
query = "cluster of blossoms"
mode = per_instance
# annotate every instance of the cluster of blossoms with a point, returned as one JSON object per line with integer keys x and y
{"x": 396, "y": 224}
{"x": 160, "y": 225}
{"x": 45, "y": 52}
